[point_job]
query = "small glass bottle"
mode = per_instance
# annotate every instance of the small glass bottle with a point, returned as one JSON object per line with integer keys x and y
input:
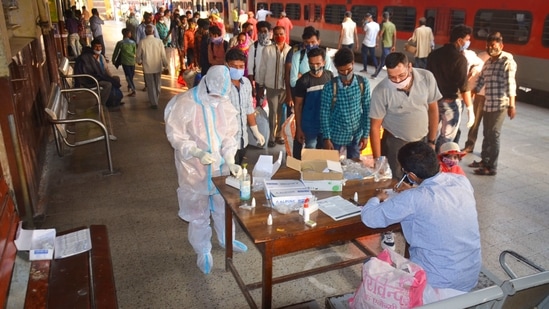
{"x": 306, "y": 211}
{"x": 245, "y": 186}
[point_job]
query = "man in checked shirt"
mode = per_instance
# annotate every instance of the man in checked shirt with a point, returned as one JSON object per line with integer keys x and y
{"x": 498, "y": 77}
{"x": 344, "y": 108}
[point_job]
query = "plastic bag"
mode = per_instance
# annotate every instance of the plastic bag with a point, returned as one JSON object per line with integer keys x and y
{"x": 389, "y": 281}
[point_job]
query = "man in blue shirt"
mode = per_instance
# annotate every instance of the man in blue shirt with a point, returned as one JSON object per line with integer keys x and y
{"x": 438, "y": 219}
{"x": 308, "y": 90}
{"x": 344, "y": 108}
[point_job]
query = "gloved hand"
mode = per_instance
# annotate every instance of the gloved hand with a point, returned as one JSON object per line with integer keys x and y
{"x": 258, "y": 136}
{"x": 470, "y": 116}
{"x": 206, "y": 158}
{"x": 236, "y": 170}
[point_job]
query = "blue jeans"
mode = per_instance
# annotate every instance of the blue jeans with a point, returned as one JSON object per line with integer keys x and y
{"x": 313, "y": 141}
{"x": 353, "y": 151}
{"x": 384, "y": 52}
{"x": 129, "y": 72}
{"x": 368, "y": 51}
{"x": 492, "y": 122}
{"x": 421, "y": 63}
{"x": 449, "y": 113}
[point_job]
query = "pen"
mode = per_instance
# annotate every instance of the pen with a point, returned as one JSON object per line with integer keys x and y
{"x": 353, "y": 201}
{"x": 400, "y": 182}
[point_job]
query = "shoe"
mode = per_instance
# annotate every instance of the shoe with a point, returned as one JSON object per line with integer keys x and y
{"x": 205, "y": 262}
{"x": 145, "y": 89}
{"x": 364, "y": 71}
{"x": 484, "y": 171}
{"x": 388, "y": 241}
{"x": 476, "y": 164}
{"x": 467, "y": 149}
{"x": 131, "y": 94}
{"x": 122, "y": 103}
{"x": 373, "y": 76}
{"x": 271, "y": 144}
{"x": 237, "y": 246}
{"x": 154, "y": 106}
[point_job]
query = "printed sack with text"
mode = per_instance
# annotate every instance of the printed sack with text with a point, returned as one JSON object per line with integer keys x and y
{"x": 389, "y": 281}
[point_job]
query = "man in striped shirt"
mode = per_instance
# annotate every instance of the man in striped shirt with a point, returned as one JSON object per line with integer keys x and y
{"x": 498, "y": 78}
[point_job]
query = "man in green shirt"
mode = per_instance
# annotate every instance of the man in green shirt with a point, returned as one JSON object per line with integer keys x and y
{"x": 387, "y": 35}
{"x": 124, "y": 54}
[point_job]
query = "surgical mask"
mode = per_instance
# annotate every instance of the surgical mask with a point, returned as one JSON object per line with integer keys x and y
{"x": 217, "y": 40}
{"x": 493, "y": 52}
{"x": 347, "y": 77}
{"x": 263, "y": 38}
{"x": 404, "y": 83}
{"x": 97, "y": 52}
{"x": 450, "y": 161}
{"x": 315, "y": 69}
{"x": 309, "y": 47}
{"x": 236, "y": 74}
{"x": 280, "y": 39}
{"x": 465, "y": 46}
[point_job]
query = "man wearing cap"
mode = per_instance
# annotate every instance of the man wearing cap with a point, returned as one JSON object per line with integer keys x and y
{"x": 285, "y": 22}
{"x": 348, "y": 35}
{"x": 371, "y": 29}
{"x": 424, "y": 40}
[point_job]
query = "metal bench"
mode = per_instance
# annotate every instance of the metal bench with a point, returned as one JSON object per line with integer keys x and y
{"x": 57, "y": 113}
{"x": 84, "y": 280}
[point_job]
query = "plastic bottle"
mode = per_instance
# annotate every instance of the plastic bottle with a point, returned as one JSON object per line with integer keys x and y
{"x": 306, "y": 212}
{"x": 245, "y": 185}
{"x": 270, "y": 220}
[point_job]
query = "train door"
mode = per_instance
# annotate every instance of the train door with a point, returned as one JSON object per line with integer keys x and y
{"x": 442, "y": 20}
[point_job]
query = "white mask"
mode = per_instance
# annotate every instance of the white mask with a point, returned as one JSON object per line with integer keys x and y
{"x": 404, "y": 83}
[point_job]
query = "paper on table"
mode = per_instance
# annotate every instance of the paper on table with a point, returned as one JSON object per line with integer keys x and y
{"x": 338, "y": 208}
{"x": 72, "y": 243}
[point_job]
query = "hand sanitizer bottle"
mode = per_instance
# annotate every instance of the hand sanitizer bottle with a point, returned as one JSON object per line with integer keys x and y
{"x": 245, "y": 185}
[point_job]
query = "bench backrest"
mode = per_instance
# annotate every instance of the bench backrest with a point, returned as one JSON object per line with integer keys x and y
{"x": 8, "y": 227}
{"x": 526, "y": 292}
{"x": 483, "y": 298}
{"x": 65, "y": 70}
{"x": 57, "y": 108}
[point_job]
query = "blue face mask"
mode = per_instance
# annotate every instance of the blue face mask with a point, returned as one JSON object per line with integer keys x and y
{"x": 465, "y": 46}
{"x": 309, "y": 47}
{"x": 236, "y": 74}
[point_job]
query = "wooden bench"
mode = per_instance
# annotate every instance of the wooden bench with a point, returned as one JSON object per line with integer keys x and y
{"x": 84, "y": 280}
{"x": 57, "y": 113}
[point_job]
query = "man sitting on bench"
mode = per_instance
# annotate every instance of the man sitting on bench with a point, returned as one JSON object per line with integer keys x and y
{"x": 93, "y": 63}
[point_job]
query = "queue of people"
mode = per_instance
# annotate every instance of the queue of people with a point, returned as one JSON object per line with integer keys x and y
{"x": 418, "y": 107}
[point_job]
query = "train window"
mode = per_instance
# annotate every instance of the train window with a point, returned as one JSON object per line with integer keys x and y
{"x": 293, "y": 11}
{"x": 219, "y": 6}
{"x": 404, "y": 17}
{"x": 318, "y": 13}
{"x": 334, "y": 13}
{"x": 545, "y": 34}
{"x": 514, "y": 26}
{"x": 276, "y": 9}
{"x": 306, "y": 12}
{"x": 457, "y": 17}
{"x": 359, "y": 11}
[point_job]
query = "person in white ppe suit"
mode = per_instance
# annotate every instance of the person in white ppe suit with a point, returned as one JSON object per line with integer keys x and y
{"x": 201, "y": 125}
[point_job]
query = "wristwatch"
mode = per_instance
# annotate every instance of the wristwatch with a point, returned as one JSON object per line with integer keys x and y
{"x": 432, "y": 142}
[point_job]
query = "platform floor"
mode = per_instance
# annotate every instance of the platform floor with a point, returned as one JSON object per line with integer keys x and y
{"x": 154, "y": 265}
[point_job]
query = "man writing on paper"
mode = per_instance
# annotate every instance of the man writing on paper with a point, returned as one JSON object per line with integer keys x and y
{"x": 438, "y": 219}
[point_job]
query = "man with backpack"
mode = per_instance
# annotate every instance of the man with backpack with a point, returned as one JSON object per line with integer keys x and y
{"x": 254, "y": 57}
{"x": 344, "y": 108}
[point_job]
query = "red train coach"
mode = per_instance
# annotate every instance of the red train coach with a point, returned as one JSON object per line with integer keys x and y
{"x": 523, "y": 24}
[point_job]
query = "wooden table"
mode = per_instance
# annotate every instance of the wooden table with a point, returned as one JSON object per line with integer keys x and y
{"x": 288, "y": 233}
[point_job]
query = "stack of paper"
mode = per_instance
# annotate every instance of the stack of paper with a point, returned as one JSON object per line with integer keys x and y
{"x": 338, "y": 208}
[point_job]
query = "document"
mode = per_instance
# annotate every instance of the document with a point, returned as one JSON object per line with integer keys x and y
{"x": 72, "y": 243}
{"x": 338, "y": 208}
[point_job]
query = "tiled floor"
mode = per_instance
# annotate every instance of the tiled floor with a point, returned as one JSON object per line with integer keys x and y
{"x": 154, "y": 264}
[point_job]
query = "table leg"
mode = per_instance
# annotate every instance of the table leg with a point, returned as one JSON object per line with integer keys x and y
{"x": 228, "y": 235}
{"x": 267, "y": 286}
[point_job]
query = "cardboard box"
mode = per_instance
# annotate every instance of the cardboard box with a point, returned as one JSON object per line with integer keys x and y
{"x": 320, "y": 169}
{"x": 325, "y": 185}
{"x": 286, "y": 192}
{"x": 264, "y": 169}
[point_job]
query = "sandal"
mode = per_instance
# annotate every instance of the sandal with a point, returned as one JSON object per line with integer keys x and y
{"x": 484, "y": 171}
{"x": 476, "y": 164}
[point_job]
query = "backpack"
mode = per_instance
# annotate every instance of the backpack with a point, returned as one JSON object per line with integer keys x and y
{"x": 360, "y": 80}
